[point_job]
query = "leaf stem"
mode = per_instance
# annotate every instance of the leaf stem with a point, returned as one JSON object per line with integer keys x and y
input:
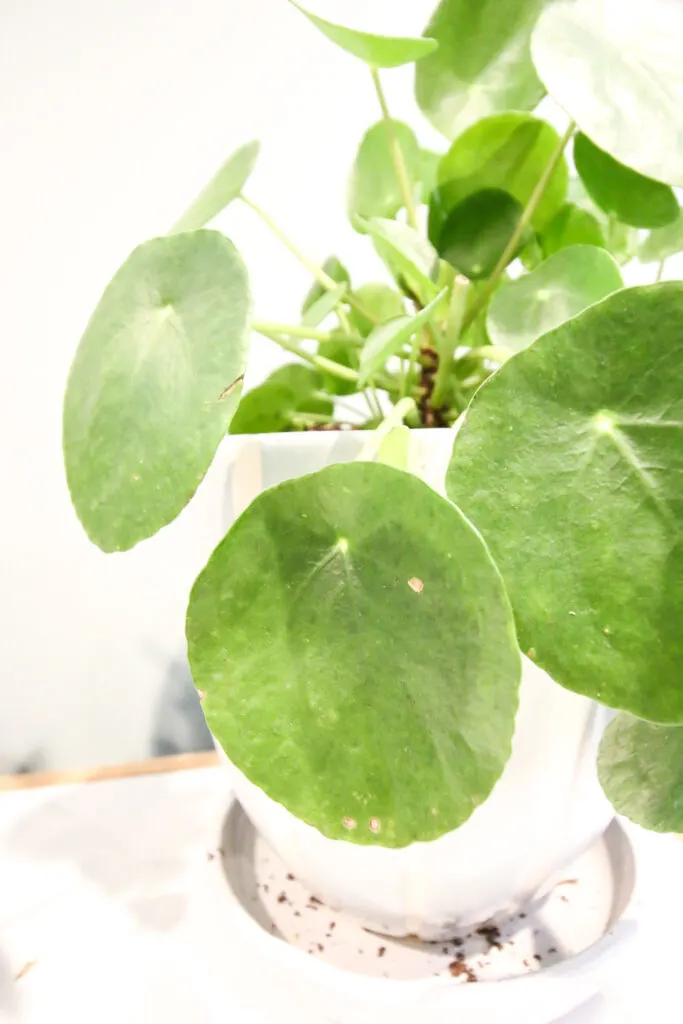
{"x": 522, "y": 224}
{"x": 394, "y": 418}
{"x": 660, "y": 270}
{"x": 449, "y": 340}
{"x": 311, "y": 266}
{"x": 321, "y": 362}
{"x": 396, "y": 154}
{"x": 268, "y": 327}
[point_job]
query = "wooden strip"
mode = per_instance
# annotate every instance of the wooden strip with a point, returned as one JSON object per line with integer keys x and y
{"x": 153, "y": 766}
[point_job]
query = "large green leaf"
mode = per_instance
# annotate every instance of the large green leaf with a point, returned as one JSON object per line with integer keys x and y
{"x": 571, "y": 464}
{"x": 641, "y": 770}
{"x": 374, "y": 188}
{"x": 662, "y": 243}
{"x": 378, "y": 300}
{"x": 505, "y": 151}
{"x": 334, "y": 269}
{"x": 358, "y": 655}
{"x": 389, "y": 338}
{"x": 377, "y": 51}
{"x": 306, "y": 383}
{"x": 562, "y": 286}
{"x": 225, "y": 186}
{"x": 429, "y": 168}
{"x": 409, "y": 256}
{"x": 483, "y": 64}
{"x": 154, "y": 385}
{"x": 615, "y": 68}
{"x": 475, "y": 233}
{"x": 630, "y": 196}
{"x": 571, "y": 225}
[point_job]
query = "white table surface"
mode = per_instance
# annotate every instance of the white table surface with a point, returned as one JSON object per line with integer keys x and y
{"x": 104, "y": 914}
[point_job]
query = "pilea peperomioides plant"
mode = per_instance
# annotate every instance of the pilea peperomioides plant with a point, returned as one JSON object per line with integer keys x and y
{"x": 357, "y": 634}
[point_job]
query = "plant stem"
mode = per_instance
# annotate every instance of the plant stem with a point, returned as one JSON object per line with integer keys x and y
{"x": 396, "y": 154}
{"x": 496, "y": 353}
{"x": 311, "y": 419}
{"x": 269, "y": 327}
{"x": 318, "y": 273}
{"x": 326, "y": 365}
{"x": 313, "y": 268}
{"x": 449, "y": 340}
{"x": 393, "y": 419}
{"x": 660, "y": 271}
{"x": 377, "y": 411}
{"x": 522, "y": 225}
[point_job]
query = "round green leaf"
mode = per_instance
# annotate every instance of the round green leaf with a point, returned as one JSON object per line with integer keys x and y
{"x": 429, "y": 167}
{"x": 571, "y": 225}
{"x": 377, "y": 51}
{"x": 358, "y": 655}
{"x": 334, "y": 269}
{"x": 570, "y": 462}
{"x": 505, "y": 151}
{"x": 374, "y": 188}
{"x": 410, "y": 257}
{"x": 630, "y": 196}
{"x": 483, "y": 64}
{"x": 381, "y": 301}
{"x": 476, "y": 232}
{"x": 388, "y": 339}
{"x": 560, "y": 288}
{"x": 154, "y": 385}
{"x": 225, "y": 186}
{"x": 305, "y": 383}
{"x": 640, "y": 766}
{"x": 615, "y": 68}
{"x": 662, "y": 243}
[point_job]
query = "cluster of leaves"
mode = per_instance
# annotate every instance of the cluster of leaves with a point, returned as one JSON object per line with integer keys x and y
{"x": 357, "y": 638}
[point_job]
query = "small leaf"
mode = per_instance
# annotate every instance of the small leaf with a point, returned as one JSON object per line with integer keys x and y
{"x": 334, "y": 269}
{"x": 374, "y": 188}
{"x": 266, "y": 409}
{"x": 477, "y": 230}
{"x": 506, "y": 151}
{"x": 560, "y": 288}
{"x": 322, "y": 307}
{"x": 381, "y": 301}
{"x": 389, "y": 338}
{"x": 344, "y": 354}
{"x": 270, "y": 407}
{"x": 394, "y": 448}
{"x": 616, "y": 189}
{"x": 225, "y": 186}
{"x": 483, "y": 64}
{"x": 615, "y": 68}
{"x": 570, "y": 462}
{"x": 310, "y": 629}
{"x": 305, "y": 383}
{"x": 662, "y": 243}
{"x": 571, "y": 225}
{"x": 409, "y": 256}
{"x": 640, "y": 766}
{"x": 377, "y": 51}
{"x": 154, "y": 385}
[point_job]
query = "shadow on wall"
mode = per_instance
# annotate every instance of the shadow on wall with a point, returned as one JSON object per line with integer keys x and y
{"x": 179, "y": 724}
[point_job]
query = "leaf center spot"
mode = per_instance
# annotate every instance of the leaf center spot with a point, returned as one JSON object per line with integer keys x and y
{"x": 604, "y": 423}
{"x": 342, "y": 545}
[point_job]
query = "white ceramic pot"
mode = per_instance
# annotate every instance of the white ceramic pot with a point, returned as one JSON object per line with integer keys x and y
{"x": 545, "y": 810}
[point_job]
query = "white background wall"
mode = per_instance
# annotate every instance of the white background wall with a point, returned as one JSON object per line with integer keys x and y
{"x": 113, "y": 113}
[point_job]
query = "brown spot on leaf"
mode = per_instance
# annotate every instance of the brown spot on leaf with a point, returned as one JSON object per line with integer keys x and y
{"x": 416, "y": 584}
